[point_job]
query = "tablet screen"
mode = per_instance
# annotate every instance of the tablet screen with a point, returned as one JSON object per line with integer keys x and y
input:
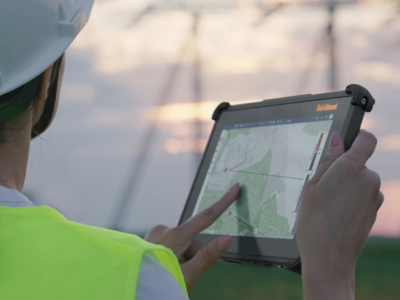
{"x": 272, "y": 161}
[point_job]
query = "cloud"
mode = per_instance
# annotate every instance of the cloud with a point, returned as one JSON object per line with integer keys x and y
{"x": 236, "y": 65}
{"x": 390, "y": 143}
{"x": 127, "y": 118}
{"x": 380, "y": 71}
{"x": 368, "y": 17}
{"x": 369, "y": 122}
{"x": 175, "y": 146}
{"x": 190, "y": 112}
{"x": 77, "y": 93}
{"x": 122, "y": 48}
{"x": 98, "y": 152}
{"x": 118, "y": 47}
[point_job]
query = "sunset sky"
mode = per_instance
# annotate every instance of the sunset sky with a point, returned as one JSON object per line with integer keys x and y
{"x": 116, "y": 69}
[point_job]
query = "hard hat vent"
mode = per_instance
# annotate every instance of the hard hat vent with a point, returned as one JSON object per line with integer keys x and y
{"x": 73, "y": 18}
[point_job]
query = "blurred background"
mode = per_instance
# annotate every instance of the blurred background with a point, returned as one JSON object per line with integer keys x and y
{"x": 143, "y": 79}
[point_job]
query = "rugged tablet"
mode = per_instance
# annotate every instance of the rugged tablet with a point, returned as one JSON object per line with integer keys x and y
{"x": 272, "y": 148}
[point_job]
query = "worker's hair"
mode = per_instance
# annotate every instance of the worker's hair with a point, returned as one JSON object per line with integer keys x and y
{"x": 9, "y": 129}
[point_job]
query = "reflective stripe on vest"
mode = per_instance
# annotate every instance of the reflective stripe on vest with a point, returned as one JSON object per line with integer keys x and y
{"x": 45, "y": 256}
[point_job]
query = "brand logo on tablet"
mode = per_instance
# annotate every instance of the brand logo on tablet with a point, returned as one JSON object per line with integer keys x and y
{"x": 327, "y": 107}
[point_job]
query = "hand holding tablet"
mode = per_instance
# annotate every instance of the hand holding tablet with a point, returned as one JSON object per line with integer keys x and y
{"x": 336, "y": 214}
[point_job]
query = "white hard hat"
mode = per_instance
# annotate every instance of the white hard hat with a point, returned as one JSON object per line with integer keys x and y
{"x": 33, "y": 35}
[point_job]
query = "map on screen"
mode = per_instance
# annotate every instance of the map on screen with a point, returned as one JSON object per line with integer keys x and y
{"x": 271, "y": 161}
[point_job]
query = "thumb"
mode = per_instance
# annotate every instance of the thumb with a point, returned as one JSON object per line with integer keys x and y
{"x": 336, "y": 149}
{"x": 204, "y": 259}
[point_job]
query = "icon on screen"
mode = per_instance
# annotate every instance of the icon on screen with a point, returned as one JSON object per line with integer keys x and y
{"x": 330, "y": 117}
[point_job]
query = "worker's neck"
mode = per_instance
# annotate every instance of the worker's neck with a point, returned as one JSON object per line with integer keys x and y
{"x": 14, "y": 159}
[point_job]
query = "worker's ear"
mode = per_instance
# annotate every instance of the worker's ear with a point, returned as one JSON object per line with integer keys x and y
{"x": 41, "y": 95}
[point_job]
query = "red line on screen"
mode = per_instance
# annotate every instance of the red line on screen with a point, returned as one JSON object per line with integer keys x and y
{"x": 320, "y": 140}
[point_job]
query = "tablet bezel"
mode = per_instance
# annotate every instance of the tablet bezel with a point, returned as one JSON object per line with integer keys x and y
{"x": 347, "y": 121}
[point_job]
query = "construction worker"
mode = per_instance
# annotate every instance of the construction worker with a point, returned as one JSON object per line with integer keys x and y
{"x": 45, "y": 256}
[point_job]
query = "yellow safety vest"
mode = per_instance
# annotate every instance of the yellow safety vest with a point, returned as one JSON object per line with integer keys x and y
{"x": 45, "y": 256}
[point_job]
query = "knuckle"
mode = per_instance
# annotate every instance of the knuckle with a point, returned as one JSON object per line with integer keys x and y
{"x": 373, "y": 182}
{"x": 208, "y": 213}
{"x": 350, "y": 165}
{"x": 374, "y": 179}
{"x": 381, "y": 199}
{"x": 155, "y": 233}
{"x": 207, "y": 255}
{"x": 159, "y": 228}
{"x": 184, "y": 233}
{"x": 171, "y": 234}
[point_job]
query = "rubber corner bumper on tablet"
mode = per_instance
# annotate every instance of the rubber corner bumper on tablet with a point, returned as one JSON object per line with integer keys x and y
{"x": 295, "y": 267}
{"x": 219, "y": 109}
{"x": 361, "y": 97}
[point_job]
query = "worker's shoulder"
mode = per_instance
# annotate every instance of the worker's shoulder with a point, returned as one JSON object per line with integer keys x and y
{"x": 67, "y": 233}
{"x": 61, "y": 259}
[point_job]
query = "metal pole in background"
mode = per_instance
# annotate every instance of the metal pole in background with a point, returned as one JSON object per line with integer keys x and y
{"x": 141, "y": 158}
{"x": 197, "y": 90}
{"x": 332, "y": 47}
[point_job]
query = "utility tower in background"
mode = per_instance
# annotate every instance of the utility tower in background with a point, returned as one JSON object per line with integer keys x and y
{"x": 191, "y": 47}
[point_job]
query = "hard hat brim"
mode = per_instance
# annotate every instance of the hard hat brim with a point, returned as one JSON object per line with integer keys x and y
{"x": 53, "y": 98}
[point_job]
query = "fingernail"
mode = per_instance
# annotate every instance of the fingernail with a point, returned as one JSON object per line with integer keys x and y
{"x": 234, "y": 187}
{"x": 335, "y": 140}
{"x": 224, "y": 242}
